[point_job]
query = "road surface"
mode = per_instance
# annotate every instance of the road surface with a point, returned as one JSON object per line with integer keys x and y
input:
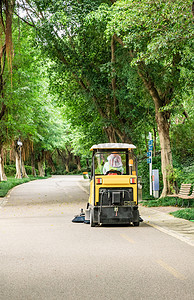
{"x": 43, "y": 255}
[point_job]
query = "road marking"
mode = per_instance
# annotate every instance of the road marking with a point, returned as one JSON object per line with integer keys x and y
{"x": 127, "y": 238}
{"x": 171, "y": 270}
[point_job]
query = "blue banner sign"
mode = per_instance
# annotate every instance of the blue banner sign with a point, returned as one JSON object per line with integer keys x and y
{"x": 150, "y": 142}
{"x": 149, "y": 154}
{"x": 150, "y": 148}
{"x": 149, "y": 160}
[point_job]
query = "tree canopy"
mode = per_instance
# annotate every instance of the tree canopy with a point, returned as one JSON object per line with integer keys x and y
{"x": 87, "y": 72}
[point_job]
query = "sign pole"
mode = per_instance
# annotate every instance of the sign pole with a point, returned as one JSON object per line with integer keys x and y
{"x": 150, "y": 164}
{"x": 151, "y": 176}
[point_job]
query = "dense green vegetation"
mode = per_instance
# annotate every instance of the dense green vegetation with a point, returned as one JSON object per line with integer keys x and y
{"x": 168, "y": 201}
{"x": 187, "y": 213}
{"x": 77, "y": 73}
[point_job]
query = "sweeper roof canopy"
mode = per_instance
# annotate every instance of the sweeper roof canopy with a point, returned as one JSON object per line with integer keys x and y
{"x": 109, "y": 146}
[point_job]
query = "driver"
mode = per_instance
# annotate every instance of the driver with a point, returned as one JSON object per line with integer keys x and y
{"x": 114, "y": 163}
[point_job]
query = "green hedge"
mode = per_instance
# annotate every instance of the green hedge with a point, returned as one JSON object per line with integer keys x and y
{"x": 187, "y": 214}
{"x": 10, "y": 170}
{"x": 167, "y": 201}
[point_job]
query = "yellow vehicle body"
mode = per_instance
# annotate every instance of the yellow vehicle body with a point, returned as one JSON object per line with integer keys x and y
{"x": 114, "y": 186}
{"x": 112, "y": 181}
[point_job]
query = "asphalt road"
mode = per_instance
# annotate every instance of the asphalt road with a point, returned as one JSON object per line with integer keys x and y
{"x": 43, "y": 255}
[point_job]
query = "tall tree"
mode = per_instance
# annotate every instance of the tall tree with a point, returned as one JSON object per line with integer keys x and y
{"x": 6, "y": 54}
{"x": 86, "y": 59}
{"x": 157, "y": 35}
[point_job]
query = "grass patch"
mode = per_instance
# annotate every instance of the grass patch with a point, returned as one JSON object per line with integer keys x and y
{"x": 5, "y": 186}
{"x": 187, "y": 214}
{"x": 167, "y": 201}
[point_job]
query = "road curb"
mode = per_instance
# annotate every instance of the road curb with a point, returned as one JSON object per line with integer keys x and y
{"x": 164, "y": 222}
{"x": 172, "y": 233}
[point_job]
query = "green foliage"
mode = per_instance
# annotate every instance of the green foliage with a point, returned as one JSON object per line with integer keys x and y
{"x": 162, "y": 202}
{"x": 187, "y": 175}
{"x": 10, "y": 170}
{"x": 187, "y": 214}
{"x": 182, "y": 139}
{"x": 167, "y": 201}
{"x": 62, "y": 95}
{"x": 154, "y": 30}
{"x": 82, "y": 71}
{"x": 21, "y": 97}
{"x": 185, "y": 170}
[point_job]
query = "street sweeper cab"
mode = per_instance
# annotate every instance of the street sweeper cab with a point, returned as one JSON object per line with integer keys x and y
{"x": 114, "y": 185}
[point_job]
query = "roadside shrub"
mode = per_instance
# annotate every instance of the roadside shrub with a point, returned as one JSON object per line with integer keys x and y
{"x": 167, "y": 201}
{"x": 10, "y": 170}
{"x": 29, "y": 170}
{"x": 182, "y": 140}
{"x": 187, "y": 214}
{"x": 72, "y": 167}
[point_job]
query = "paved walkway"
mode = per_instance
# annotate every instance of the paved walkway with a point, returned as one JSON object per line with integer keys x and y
{"x": 159, "y": 218}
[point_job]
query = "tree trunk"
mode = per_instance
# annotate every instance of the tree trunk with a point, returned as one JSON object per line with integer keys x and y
{"x": 2, "y": 172}
{"x": 41, "y": 164}
{"x": 122, "y": 136}
{"x": 33, "y": 164}
{"x": 24, "y": 170}
{"x": 18, "y": 166}
{"x": 166, "y": 154}
{"x": 146, "y": 141}
{"x": 20, "y": 173}
{"x": 110, "y": 131}
{"x": 154, "y": 154}
{"x": 50, "y": 161}
{"x": 64, "y": 160}
{"x": 163, "y": 124}
{"x": 66, "y": 166}
{"x": 41, "y": 169}
{"x": 78, "y": 162}
{"x": 162, "y": 118}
